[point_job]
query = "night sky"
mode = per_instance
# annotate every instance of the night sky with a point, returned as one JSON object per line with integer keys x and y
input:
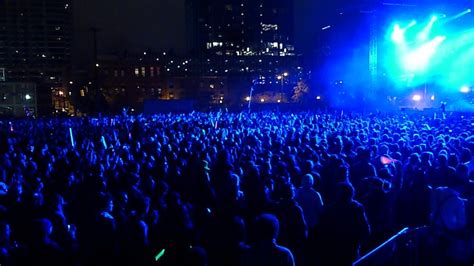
{"x": 134, "y": 25}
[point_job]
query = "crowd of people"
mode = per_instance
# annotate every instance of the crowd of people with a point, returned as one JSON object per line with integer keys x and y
{"x": 267, "y": 188}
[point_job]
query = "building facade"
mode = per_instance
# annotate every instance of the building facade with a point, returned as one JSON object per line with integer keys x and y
{"x": 130, "y": 81}
{"x": 35, "y": 44}
{"x": 241, "y": 27}
{"x": 17, "y": 99}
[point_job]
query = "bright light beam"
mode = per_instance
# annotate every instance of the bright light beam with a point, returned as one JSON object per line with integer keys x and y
{"x": 465, "y": 12}
{"x": 413, "y": 23}
{"x": 423, "y": 35}
{"x": 398, "y": 34}
{"x": 418, "y": 60}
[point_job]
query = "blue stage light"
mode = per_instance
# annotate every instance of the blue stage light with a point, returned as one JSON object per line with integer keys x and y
{"x": 465, "y": 89}
{"x": 413, "y": 23}
{"x": 398, "y": 34}
{"x": 418, "y": 60}
{"x": 423, "y": 35}
{"x": 416, "y": 98}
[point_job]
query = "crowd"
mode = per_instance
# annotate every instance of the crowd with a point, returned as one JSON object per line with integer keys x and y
{"x": 234, "y": 189}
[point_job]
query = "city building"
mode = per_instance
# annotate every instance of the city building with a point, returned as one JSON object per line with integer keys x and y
{"x": 17, "y": 99}
{"x": 129, "y": 81}
{"x": 35, "y": 45}
{"x": 241, "y": 27}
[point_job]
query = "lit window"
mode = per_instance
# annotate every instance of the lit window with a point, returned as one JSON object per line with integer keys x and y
{"x": 152, "y": 71}
{"x": 269, "y": 27}
{"x": 143, "y": 72}
{"x": 137, "y": 72}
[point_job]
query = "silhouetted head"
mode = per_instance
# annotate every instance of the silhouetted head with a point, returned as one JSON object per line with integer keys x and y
{"x": 267, "y": 227}
{"x": 307, "y": 181}
{"x": 345, "y": 192}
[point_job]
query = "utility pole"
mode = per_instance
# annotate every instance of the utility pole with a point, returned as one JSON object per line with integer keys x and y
{"x": 95, "y": 68}
{"x": 95, "y": 56}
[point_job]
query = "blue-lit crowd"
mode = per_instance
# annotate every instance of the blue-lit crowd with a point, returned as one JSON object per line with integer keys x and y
{"x": 268, "y": 188}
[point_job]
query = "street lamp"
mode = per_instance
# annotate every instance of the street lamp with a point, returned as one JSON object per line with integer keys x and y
{"x": 282, "y": 79}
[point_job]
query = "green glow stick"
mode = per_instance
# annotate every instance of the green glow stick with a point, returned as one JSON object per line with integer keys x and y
{"x": 157, "y": 257}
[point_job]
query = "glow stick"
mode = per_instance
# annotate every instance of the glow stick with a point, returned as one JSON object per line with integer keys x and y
{"x": 72, "y": 138}
{"x": 103, "y": 142}
{"x": 159, "y": 255}
{"x": 385, "y": 160}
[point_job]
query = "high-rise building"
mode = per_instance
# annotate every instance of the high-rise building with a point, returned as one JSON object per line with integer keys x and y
{"x": 242, "y": 27}
{"x": 35, "y": 43}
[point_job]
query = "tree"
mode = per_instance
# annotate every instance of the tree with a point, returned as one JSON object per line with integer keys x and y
{"x": 300, "y": 91}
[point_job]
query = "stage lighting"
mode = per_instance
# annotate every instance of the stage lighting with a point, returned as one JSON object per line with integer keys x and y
{"x": 432, "y": 97}
{"x": 318, "y": 97}
{"x": 465, "y": 89}
{"x": 416, "y": 98}
{"x": 465, "y": 12}
{"x": 27, "y": 97}
{"x": 413, "y": 23}
{"x": 247, "y": 98}
{"x": 398, "y": 34}
{"x": 423, "y": 35}
{"x": 418, "y": 59}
